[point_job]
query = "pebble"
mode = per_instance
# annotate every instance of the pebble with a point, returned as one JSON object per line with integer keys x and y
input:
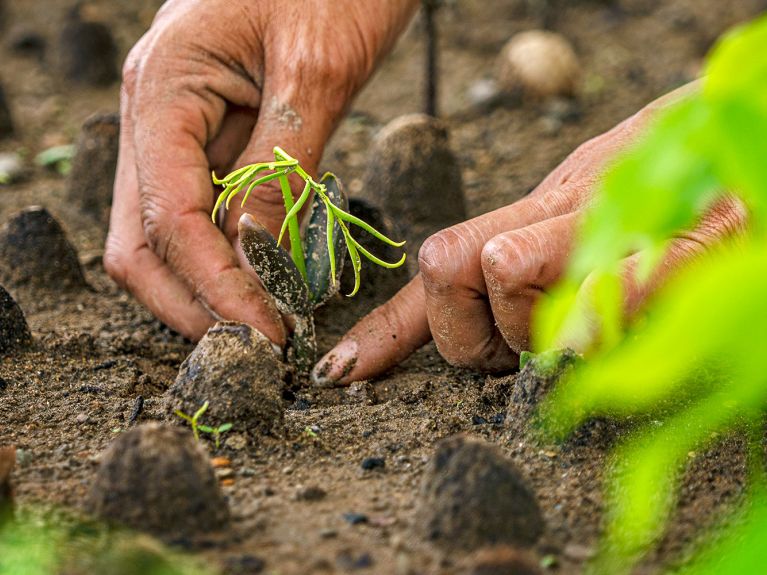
{"x": 236, "y": 441}
{"x": 11, "y": 168}
{"x": 355, "y": 518}
{"x": 82, "y": 418}
{"x": 310, "y": 493}
{"x": 484, "y": 94}
{"x": 244, "y": 565}
{"x": 371, "y": 463}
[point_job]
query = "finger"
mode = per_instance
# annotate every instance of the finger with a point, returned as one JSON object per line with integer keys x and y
{"x": 170, "y": 135}
{"x": 518, "y": 266}
{"x": 726, "y": 219}
{"x": 127, "y": 257}
{"x": 458, "y": 309}
{"x": 384, "y": 338}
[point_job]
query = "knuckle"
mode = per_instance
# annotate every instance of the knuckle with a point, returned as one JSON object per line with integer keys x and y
{"x": 436, "y": 259}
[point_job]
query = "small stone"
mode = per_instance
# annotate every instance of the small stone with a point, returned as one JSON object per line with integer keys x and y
{"x": 224, "y": 472}
{"x": 350, "y": 561}
{"x": 502, "y": 560}
{"x": 14, "y": 331}
{"x": 355, "y": 518}
{"x": 473, "y": 496}
{"x": 235, "y": 370}
{"x": 219, "y": 462}
{"x": 539, "y": 64}
{"x": 484, "y": 94}
{"x": 82, "y": 418}
{"x": 155, "y": 478}
{"x": 87, "y": 52}
{"x": 94, "y": 165}
{"x": 35, "y": 252}
{"x": 6, "y": 119}
{"x": 11, "y": 167}
{"x": 414, "y": 173}
{"x": 328, "y": 533}
{"x": 310, "y": 493}
{"x": 577, "y": 552}
{"x": 371, "y": 463}
{"x": 244, "y": 565}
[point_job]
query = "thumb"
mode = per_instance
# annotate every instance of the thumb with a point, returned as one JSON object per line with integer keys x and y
{"x": 382, "y": 339}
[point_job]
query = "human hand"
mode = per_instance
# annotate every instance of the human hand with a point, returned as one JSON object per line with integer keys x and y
{"x": 479, "y": 280}
{"x": 215, "y": 84}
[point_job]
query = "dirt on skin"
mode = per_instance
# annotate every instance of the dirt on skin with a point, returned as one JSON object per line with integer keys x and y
{"x": 96, "y": 350}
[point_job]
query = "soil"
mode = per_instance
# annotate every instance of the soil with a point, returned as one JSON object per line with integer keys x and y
{"x": 100, "y": 363}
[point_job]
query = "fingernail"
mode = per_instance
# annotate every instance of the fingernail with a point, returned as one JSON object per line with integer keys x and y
{"x": 336, "y": 365}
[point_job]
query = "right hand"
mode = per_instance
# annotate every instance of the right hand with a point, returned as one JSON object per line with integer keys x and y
{"x": 216, "y": 84}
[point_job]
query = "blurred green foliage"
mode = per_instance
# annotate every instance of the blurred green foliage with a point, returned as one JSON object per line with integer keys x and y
{"x": 40, "y": 542}
{"x": 695, "y": 361}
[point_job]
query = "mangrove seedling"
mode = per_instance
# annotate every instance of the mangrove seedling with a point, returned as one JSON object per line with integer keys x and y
{"x": 306, "y": 278}
{"x": 197, "y": 427}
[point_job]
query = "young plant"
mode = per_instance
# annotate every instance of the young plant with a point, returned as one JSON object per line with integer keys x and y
{"x": 694, "y": 363}
{"x": 309, "y": 276}
{"x": 197, "y": 427}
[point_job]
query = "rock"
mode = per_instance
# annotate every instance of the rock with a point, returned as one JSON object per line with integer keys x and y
{"x": 473, "y": 496}
{"x": 87, "y": 52}
{"x": 94, "y": 164}
{"x": 539, "y": 374}
{"x": 244, "y": 565}
{"x": 415, "y": 175}
{"x": 7, "y": 463}
{"x": 6, "y": 119}
{"x": 539, "y": 64}
{"x": 502, "y": 560}
{"x": 14, "y": 331}
{"x": 35, "y": 252}
{"x": 11, "y": 168}
{"x": 310, "y": 493}
{"x": 236, "y": 370}
{"x": 377, "y": 284}
{"x": 484, "y": 94}
{"x": 155, "y": 478}
{"x": 370, "y": 463}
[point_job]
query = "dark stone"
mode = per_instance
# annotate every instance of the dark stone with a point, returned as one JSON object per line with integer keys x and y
{"x": 350, "y": 561}
{"x": 6, "y": 119}
{"x": 415, "y": 175}
{"x": 244, "y": 565}
{"x": 155, "y": 478}
{"x": 311, "y": 493}
{"x": 502, "y": 560}
{"x": 14, "y": 331}
{"x": 371, "y": 463}
{"x": 35, "y": 252}
{"x": 473, "y": 496}
{"x": 87, "y": 52}
{"x": 93, "y": 167}
{"x": 355, "y": 518}
{"x": 235, "y": 368}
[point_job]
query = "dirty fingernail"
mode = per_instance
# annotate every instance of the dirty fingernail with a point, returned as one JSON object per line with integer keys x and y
{"x": 336, "y": 365}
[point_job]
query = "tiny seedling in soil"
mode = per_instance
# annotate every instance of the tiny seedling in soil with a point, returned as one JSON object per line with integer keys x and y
{"x": 197, "y": 427}
{"x": 307, "y": 277}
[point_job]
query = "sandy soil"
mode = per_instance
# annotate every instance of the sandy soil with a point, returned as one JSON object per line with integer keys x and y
{"x": 96, "y": 350}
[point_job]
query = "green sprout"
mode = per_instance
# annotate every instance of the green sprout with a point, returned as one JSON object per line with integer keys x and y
{"x": 197, "y": 427}
{"x": 251, "y": 176}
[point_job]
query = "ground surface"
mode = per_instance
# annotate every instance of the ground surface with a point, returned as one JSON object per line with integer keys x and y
{"x": 96, "y": 351}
